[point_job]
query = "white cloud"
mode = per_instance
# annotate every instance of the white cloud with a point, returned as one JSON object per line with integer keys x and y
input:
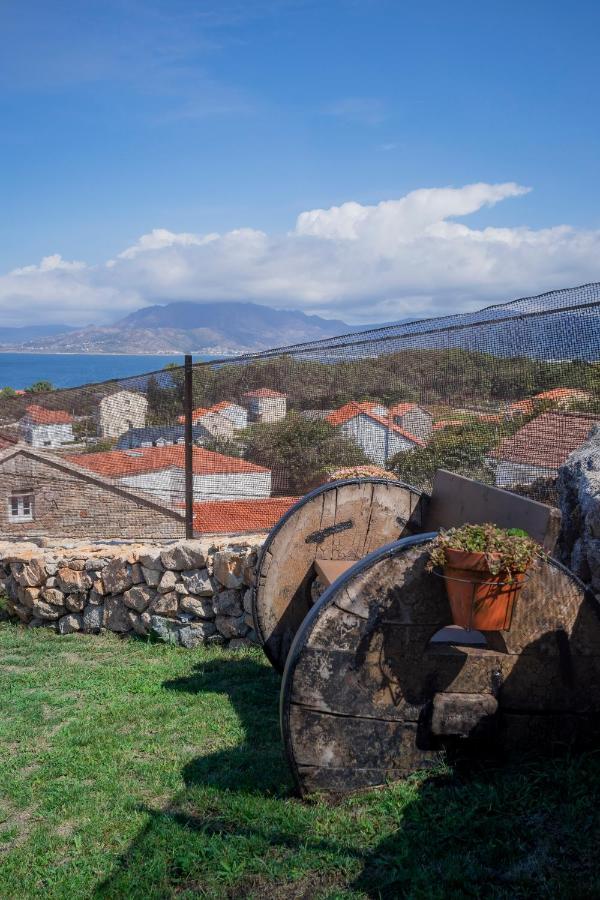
{"x": 407, "y": 256}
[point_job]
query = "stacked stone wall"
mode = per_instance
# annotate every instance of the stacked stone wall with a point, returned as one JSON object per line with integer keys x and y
{"x": 186, "y": 593}
{"x": 579, "y": 493}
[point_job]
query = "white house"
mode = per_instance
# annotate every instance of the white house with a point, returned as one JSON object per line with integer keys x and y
{"x": 376, "y": 434}
{"x": 41, "y": 427}
{"x": 265, "y": 405}
{"x": 118, "y": 412}
{"x": 538, "y": 448}
{"x": 412, "y": 418}
{"x": 219, "y": 420}
{"x": 160, "y": 471}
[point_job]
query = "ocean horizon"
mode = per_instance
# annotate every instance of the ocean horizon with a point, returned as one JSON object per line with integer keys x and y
{"x": 20, "y": 370}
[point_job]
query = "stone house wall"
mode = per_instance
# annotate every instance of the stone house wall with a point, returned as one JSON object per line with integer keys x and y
{"x": 118, "y": 412}
{"x": 68, "y": 502}
{"x": 579, "y": 493}
{"x": 186, "y": 593}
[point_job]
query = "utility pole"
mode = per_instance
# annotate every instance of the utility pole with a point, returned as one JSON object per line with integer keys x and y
{"x": 188, "y": 446}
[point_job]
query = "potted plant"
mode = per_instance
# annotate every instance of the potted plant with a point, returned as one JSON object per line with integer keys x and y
{"x": 484, "y": 568}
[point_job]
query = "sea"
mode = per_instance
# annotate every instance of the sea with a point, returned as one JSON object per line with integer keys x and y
{"x": 19, "y": 370}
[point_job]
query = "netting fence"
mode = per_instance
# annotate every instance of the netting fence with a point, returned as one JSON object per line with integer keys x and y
{"x": 503, "y": 394}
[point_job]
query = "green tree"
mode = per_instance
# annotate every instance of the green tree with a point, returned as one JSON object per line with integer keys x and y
{"x": 462, "y": 449}
{"x": 304, "y": 449}
{"x": 40, "y": 387}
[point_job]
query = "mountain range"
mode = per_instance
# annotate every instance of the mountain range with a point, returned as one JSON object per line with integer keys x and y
{"x": 214, "y": 329}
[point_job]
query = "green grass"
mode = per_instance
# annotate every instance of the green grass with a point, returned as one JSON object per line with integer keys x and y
{"x": 138, "y": 770}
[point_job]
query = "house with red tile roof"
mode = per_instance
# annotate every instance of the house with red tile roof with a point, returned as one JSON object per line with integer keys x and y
{"x": 48, "y": 428}
{"x": 240, "y": 516}
{"x": 412, "y": 418}
{"x": 371, "y": 427}
{"x": 220, "y": 419}
{"x": 44, "y": 494}
{"x": 561, "y": 398}
{"x": 160, "y": 471}
{"x": 265, "y": 405}
{"x": 538, "y": 448}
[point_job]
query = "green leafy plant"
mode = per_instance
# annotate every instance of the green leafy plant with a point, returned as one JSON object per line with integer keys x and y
{"x": 507, "y": 550}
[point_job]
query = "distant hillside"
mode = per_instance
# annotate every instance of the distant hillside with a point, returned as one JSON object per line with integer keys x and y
{"x": 202, "y": 328}
{"x": 17, "y": 336}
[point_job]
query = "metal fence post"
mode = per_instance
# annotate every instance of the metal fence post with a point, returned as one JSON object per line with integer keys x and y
{"x": 188, "y": 438}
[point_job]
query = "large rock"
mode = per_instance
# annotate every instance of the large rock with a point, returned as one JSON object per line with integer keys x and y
{"x": 73, "y": 581}
{"x": 166, "y": 630}
{"x": 117, "y": 576}
{"x": 228, "y": 603}
{"x": 200, "y": 607}
{"x": 115, "y": 614}
{"x": 70, "y": 623}
{"x": 32, "y": 574}
{"x": 579, "y": 492}
{"x": 149, "y": 558}
{"x": 193, "y": 635}
{"x": 199, "y": 582}
{"x": 93, "y": 618}
{"x": 165, "y": 604}
{"x": 140, "y": 623}
{"x": 152, "y": 576}
{"x": 47, "y": 611}
{"x": 139, "y": 597}
{"x": 231, "y": 626}
{"x": 167, "y": 582}
{"x": 54, "y": 596}
{"x": 228, "y": 568}
{"x": 74, "y": 602}
{"x": 183, "y": 555}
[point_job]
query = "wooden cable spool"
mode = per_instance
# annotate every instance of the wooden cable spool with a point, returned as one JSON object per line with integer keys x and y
{"x": 366, "y": 697}
{"x": 344, "y": 520}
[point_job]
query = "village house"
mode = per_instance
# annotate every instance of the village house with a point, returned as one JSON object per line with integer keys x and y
{"x": 50, "y": 428}
{"x": 412, "y": 418}
{"x": 559, "y": 398}
{"x": 42, "y": 494}
{"x": 265, "y": 405}
{"x": 538, "y": 448}
{"x": 120, "y": 411}
{"x": 160, "y": 471}
{"x": 220, "y": 420}
{"x": 369, "y": 425}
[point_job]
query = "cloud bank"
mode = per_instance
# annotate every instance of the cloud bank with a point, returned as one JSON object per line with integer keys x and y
{"x": 361, "y": 263}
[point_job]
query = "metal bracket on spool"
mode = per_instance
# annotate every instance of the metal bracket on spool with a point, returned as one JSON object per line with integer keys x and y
{"x": 317, "y": 537}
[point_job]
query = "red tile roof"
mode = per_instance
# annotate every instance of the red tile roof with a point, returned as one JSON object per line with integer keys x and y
{"x": 120, "y": 463}
{"x": 264, "y": 392}
{"x": 556, "y": 395}
{"x": 233, "y": 516}
{"x": 350, "y": 410}
{"x": 196, "y": 414}
{"x": 400, "y": 409}
{"x": 447, "y": 423}
{"x": 365, "y": 408}
{"x": 546, "y": 441}
{"x": 40, "y": 416}
{"x": 201, "y": 411}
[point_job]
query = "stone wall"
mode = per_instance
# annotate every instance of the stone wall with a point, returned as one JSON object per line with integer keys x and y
{"x": 579, "y": 493}
{"x": 186, "y": 593}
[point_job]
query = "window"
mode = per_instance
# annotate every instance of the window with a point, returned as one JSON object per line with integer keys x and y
{"x": 20, "y": 508}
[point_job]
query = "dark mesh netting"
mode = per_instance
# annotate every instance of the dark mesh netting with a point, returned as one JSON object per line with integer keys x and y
{"x": 503, "y": 395}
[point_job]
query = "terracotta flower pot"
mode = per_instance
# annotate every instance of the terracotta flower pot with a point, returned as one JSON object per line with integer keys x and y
{"x": 478, "y": 599}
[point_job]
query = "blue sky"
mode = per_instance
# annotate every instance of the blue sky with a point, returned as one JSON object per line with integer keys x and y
{"x": 119, "y": 118}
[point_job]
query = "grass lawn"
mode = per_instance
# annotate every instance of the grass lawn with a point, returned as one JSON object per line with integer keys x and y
{"x": 130, "y": 769}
